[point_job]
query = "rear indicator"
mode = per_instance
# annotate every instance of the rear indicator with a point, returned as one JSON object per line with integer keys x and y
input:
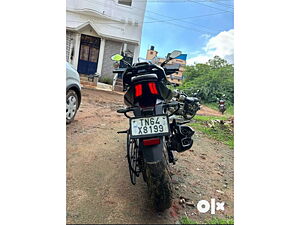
{"x": 138, "y": 90}
{"x": 152, "y": 87}
{"x": 153, "y": 141}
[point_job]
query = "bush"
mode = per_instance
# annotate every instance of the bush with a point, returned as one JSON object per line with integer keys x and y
{"x": 212, "y": 79}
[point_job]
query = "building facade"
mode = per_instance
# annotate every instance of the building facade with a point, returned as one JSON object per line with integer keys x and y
{"x": 175, "y": 78}
{"x": 98, "y": 29}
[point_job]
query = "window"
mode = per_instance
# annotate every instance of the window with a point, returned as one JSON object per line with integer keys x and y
{"x": 125, "y": 2}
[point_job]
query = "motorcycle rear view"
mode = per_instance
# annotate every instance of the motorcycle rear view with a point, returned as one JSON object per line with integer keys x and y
{"x": 152, "y": 136}
{"x": 222, "y": 106}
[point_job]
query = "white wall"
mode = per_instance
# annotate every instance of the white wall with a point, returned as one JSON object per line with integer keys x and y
{"x": 109, "y": 21}
{"x": 109, "y": 18}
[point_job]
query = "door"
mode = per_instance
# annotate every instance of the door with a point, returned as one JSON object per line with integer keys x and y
{"x": 88, "y": 54}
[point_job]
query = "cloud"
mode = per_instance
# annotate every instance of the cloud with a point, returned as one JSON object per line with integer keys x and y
{"x": 205, "y": 36}
{"x": 221, "y": 45}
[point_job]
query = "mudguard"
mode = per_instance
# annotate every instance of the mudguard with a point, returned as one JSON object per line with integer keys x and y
{"x": 153, "y": 153}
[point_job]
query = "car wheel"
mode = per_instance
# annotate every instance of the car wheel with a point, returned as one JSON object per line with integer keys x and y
{"x": 71, "y": 105}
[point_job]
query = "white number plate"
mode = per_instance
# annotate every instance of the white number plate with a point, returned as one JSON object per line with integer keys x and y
{"x": 149, "y": 126}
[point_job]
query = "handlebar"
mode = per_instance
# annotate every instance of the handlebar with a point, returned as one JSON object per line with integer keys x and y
{"x": 120, "y": 70}
{"x": 126, "y": 110}
{"x": 170, "y": 71}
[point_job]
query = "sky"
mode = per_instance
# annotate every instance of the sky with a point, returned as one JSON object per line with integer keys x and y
{"x": 199, "y": 28}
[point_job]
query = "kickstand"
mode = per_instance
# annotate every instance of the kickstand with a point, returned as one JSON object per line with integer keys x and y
{"x": 171, "y": 157}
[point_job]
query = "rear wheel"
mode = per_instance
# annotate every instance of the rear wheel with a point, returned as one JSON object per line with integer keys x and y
{"x": 159, "y": 185}
{"x": 222, "y": 110}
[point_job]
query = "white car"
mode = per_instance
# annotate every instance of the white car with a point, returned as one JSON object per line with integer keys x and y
{"x": 73, "y": 98}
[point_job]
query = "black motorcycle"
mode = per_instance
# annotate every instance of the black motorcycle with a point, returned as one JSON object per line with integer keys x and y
{"x": 151, "y": 136}
{"x": 189, "y": 106}
{"x": 222, "y": 106}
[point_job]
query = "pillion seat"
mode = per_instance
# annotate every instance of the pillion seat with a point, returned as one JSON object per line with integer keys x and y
{"x": 145, "y": 77}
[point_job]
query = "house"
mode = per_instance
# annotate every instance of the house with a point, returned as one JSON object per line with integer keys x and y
{"x": 98, "y": 29}
{"x": 175, "y": 78}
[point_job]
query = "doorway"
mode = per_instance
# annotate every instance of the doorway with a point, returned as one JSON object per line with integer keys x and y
{"x": 88, "y": 54}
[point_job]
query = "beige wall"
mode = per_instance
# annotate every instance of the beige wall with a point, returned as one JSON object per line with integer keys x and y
{"x": 151, "y": 54}
{"x": 174, "y": 77}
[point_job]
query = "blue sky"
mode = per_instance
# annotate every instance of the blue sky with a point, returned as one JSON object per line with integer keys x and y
{"x": 200, "y": 37}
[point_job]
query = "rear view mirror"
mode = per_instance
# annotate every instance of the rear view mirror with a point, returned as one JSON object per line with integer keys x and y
{"x": 174, "y": 54}
{"x": 117, "y": 57}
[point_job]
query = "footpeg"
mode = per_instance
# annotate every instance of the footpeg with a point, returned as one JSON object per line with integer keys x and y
{"x": 122, "y": 132}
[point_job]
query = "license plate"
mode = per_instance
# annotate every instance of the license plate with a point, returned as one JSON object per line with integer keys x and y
{"x": 149, "y": 126}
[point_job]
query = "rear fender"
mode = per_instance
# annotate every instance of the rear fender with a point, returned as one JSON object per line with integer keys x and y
{"x": 152, "y": 153}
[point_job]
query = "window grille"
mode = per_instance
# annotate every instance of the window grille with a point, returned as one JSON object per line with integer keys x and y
{"x": 125, "y": 2}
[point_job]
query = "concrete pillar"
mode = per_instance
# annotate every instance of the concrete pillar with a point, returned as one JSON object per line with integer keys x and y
{"x": 71, "y": 49}
{"x": 136, "y": 53}
{"x": 125, "y": 47}
{"x": 76, "y": 50}
{"x": 101, "y": 55}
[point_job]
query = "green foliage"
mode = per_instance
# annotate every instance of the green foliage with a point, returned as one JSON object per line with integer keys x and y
{"x": 212, "y": 79}
{"x": 218, "y": 132}
{"x": 220, "y": 221}
{"x": 198, "y": 118}
{"x": 186, "y": 220}
{"x": 217, "y": 62}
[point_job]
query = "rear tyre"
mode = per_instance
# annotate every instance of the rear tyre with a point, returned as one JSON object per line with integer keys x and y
{"x": 222, "y": 110}
{"x": 159, "y": 185}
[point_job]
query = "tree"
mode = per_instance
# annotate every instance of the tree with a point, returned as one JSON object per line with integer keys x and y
{"x": 213, "y": 79}
{"x": 217, "y": 62}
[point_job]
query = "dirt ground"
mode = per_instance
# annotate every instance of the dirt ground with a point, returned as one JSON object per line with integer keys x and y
{"x": 205, "y": 111}
{"x": 98, "y": 184}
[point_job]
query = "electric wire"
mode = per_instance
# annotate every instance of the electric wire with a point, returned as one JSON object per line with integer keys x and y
{"x": 150, "y": 11}
{"x": 209, "y": 6}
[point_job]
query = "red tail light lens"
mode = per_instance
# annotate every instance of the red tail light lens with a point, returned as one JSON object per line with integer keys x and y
{"x": 153, "y": 141}
{"x": 138, "y": 90}
{"x": 152, "y": 87}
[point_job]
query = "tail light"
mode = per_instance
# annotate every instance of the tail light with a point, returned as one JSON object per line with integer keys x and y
{"x": 152, "y": 87}
{"x": 153, "y": 141}
{"x": 138, "y": 90}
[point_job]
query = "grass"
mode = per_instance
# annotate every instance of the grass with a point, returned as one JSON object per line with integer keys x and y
{"x": 218, "y": 132}
{"x": 229, "y": 109}
{"x": 215, "y": 220}
{"x": 186, "y": 220}
{"x": 220, "y": 221}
